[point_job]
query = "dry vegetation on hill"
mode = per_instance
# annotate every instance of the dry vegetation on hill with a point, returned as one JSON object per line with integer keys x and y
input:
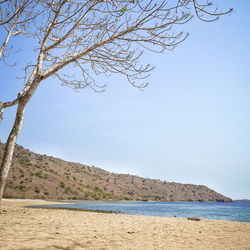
{"x": 40, "y": 176}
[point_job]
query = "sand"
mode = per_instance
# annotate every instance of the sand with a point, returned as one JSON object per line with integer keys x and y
{"x": 31, "y": 228}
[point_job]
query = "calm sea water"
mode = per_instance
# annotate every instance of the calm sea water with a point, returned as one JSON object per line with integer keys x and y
{"x": 234, "y": 211}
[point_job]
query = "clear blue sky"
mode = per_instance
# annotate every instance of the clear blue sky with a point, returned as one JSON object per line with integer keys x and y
{"x": 190, "y": 125}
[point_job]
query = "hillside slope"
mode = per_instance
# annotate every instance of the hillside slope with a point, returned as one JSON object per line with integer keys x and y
{"x": 40, "y": 176}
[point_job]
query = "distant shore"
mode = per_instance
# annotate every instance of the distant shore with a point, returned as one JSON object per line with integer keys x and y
{"x": 244, "y": 200}
{"x": 29, "y": 228}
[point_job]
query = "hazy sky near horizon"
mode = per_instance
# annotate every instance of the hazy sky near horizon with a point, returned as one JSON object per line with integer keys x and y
{"x": 190, "y": 125}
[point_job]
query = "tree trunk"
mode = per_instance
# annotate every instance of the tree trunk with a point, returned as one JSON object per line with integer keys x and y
{"x": 9, "y": 147}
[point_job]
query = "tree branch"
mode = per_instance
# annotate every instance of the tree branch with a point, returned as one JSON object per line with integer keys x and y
{"x": 17, "y": 12}
{"x": 4, "y": 105}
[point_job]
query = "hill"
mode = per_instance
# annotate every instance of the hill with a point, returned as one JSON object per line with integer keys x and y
{"x": 40, "y": 176}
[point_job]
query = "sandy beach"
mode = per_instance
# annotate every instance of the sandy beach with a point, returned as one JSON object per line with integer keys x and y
{"x": 31, "y": 228}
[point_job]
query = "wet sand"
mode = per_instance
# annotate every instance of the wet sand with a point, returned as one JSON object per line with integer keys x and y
{"x": 31, "y": 228}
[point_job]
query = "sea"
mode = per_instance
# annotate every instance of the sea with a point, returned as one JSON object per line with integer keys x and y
{"x": 232, "y": 211}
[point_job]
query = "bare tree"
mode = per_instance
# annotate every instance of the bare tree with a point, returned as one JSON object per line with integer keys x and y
{"x": 15, "y": 19}
{"x": 98, "y": 37}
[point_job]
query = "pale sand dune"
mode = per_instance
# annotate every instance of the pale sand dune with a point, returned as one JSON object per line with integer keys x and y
{"x": 29, "y": 228}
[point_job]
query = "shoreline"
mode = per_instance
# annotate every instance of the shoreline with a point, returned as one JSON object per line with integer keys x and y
{"x": 28, "y": 228}
{"x": 145, "y": 208}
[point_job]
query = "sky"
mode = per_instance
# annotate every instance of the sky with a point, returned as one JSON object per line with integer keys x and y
{"x": 190, "y": 125}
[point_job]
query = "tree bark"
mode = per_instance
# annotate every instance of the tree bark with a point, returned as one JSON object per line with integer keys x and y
{"x": 11, "y": 142}
{"x": 9, "y": 147}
